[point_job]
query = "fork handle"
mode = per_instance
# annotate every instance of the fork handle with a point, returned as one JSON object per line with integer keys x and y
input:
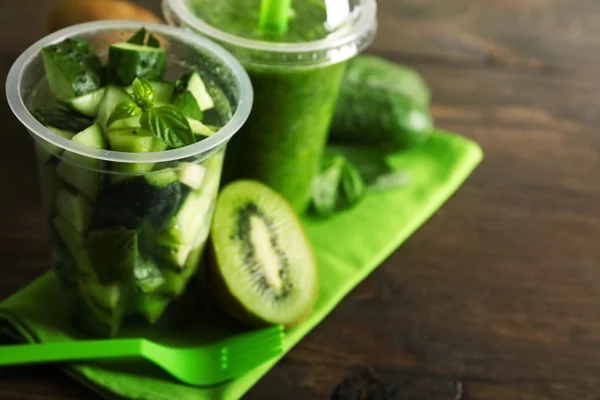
{"x": 41, "y": 353}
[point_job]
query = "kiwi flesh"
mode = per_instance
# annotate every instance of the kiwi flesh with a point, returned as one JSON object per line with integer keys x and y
{"x": 263, "y": 268}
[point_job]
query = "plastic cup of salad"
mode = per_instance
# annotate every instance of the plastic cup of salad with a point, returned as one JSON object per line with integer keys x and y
{"x": 296, "y": 74}
{"x": 129, "y": 122}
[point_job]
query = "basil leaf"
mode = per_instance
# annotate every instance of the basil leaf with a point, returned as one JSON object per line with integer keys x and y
{"x": 188, "y": 105}
{"x": 391, "y": 180}
{"x": 168, "y": 124}
{"x": 124, "y": 109}
{"x": 325, "y": 188}
{"x": 138, "y": 37}
{"x": 353, "y": 185}
{"x": 153, "y": 41}
{"x": 143, "y": 93}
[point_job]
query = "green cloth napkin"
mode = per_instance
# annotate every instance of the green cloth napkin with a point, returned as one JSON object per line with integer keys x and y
{"x": 349, "y": 247}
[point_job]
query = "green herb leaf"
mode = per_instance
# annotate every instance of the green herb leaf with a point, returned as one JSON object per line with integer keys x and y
{"x": 153, "y": 41}
{"x": 325, "y": 191}
{"x": 188, "y": 105}
{"x": 353, "y": 186}
{"x": 391, "y": 180}
{"x": 124, "y": 109}
{"x": 143, "y": 93}
{"x": 168, "y": 124}
{"x": 138, "y": 37}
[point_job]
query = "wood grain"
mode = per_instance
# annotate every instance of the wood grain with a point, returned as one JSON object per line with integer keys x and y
{"x": 500, "y": 288}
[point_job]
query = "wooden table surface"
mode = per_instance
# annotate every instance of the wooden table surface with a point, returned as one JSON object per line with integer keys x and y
{"x": 498, "y": 295}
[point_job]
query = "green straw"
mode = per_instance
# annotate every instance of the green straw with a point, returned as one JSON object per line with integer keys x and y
{"x": 274, "y": 15}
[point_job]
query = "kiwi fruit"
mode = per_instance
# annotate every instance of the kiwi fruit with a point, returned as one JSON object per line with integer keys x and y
{"x": 263, "y": 269}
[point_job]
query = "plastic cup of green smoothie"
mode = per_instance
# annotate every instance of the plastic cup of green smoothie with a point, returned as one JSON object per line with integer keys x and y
{"x": 296, "y": 77}
{"x": 127, "y": 231}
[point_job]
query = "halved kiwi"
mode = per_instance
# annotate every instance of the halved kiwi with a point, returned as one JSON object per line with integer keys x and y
{"x": 263, "y": 266}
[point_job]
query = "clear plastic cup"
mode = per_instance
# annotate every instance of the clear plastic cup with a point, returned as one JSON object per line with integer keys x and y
{"x": 144, "y": 232}
{"x": 296, "y": 85}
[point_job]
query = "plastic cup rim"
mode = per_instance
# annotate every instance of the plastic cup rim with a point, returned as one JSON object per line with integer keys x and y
{"x": 17, "y": 105}
{"x": 366, "y": 23}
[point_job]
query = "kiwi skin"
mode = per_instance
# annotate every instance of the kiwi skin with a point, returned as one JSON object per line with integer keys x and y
{"x": 228, "y": 302}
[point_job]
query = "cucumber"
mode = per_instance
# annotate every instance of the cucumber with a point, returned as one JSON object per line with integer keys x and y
{"x": 75, "y": 208}
{"x": 378, "y": 73}
{"x": 192, "y": 175}
{"x": 133, "y": 141}
{"x": 88, "y": 103}
{"x": 127, "y": 61}
{"x": 61, "y": 118}
{"x": 150, "y": 306}
{"x": 164, "y": 92}
{"x": 72, "y": 68}
{"x": 105, "y": 296}
{"x": 196, "y": 86}
{"x": 127, "y": 123}
{"x": 73, "y": 240}
{"x": 77, "y": 170}
{"x": 148, "y": 277}
{"x": 379, "y": 117}
{"x": 112, "y": 96}
{"x": 162, "y": 179}
{"x": 200, "y": 130}
{"x": 113, "y": 253}
{"x": 381, "y": 104}
{"x": 91, "y": 137}
{"x": 45, "y": 150}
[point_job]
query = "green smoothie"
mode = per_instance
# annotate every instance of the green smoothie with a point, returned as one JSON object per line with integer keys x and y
{"x": 296, "y": 77}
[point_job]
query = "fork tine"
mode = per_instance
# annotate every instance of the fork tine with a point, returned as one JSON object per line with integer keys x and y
{"x": 246, "y": 346}
{"x": 242, "y": 366}
{"x": 242, "y": 343}
{"x": 256, "y": 352}
{"x": 253, "y": 335}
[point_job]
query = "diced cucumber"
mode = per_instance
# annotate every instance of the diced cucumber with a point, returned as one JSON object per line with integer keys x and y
{"x": 176, "y": 281}
{"x": 72, "y": 68}
{"x": 198, "y": 88}
{"x": 127, "y": 123}
{"x": 50, "y": 182}
{"x": 112, "y": 96}
{"x": 91, "y": 137}
{"x": 88, "y": 103}
{"x": 75, "y": 208}
{"x": 74, "y": 242}
{"x": 113, "y": 253}
{"x": 150, "y": 306}
{"x": 105, "y": 296}
{"x": 134, "y": 141}
{"x": 62, "y": 119}
{"x": 200, "y": 129}
{"x": 148, "y": 277}
{"x": 46, "y": 150}
{"x": 77, "y": 171}
{"x": 192, "y": 175}
{"x": 162, "y": 179}
{"x": 127, "y": 61}
{"x": 189, "y": 106}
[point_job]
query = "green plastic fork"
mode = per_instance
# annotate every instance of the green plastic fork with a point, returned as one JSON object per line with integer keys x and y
{"x": 199, "y": 366}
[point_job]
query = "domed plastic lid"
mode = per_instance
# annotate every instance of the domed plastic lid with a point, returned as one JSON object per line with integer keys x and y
{"x": 319, "y": 33}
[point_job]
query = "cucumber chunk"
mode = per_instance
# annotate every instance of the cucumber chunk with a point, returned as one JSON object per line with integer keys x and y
{"x": 112, "y": 96}
{"x": 150, "y": 306}
{"x": 88, "y": 103}
{"x": 188, "y": 105}
{"x": 75, "y": 208}
{"x": 196, "y": 86}
{"x": 200, "y": 130}
{"x": 134, "y": 141}
{"x": 45, "y": 150}
{"x": 72, "y": 68}
{"x": 127, "y": 61}
{"x": 91, "y": 137}
{"x": 62, "y": 119}
{"x": 148, "y": 277}
{"x": 162, "y": 179}
{"x": 192, "y": 175}
{"x": 77, "y": 170}
{"x": 74, "y": 242}
{"x": 113, "y": 253}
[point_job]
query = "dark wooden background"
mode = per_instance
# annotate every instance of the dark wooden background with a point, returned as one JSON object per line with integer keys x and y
{"x": 501, "y": 289}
